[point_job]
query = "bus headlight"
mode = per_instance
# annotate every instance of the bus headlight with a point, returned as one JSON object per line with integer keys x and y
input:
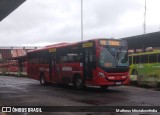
{"x": 101, "y": 74}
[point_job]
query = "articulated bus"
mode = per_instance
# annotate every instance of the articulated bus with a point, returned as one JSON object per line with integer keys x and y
{"x": 145, "y": 67}
{"x": 97, "y": 62}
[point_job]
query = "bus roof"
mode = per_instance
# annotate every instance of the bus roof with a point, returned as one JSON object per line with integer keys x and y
{"x": 70, "y": 44}
{"x": 57, "y": 45}
{"x": 144, "y": 53}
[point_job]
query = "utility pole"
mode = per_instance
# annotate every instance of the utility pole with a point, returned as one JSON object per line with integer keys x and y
{"x": 144, "y": 26}
{"x": 81, "y": 20}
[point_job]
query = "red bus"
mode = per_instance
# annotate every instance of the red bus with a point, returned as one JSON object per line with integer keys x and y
{"x": 9, "y": 68}
{"x": 97, "y": 62}
{"x": 15, "y": 66}
{"x": 3, "y": 68}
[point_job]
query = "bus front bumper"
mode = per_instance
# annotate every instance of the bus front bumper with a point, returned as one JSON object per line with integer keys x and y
{"x": 112, "y": 79}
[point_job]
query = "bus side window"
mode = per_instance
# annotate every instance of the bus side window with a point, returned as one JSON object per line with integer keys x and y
{"x": 144, "y": 58}
{"x": 130, "y": 60}
{"x": 153, "y": 58}
{"x": 33, "y": 58}
{"x": 158, "y": 58}
{"x": 43, "y": 57}
{"x": 93, "y": 58}
{"x": 70, "y": 55}
{"x": 136, "y": 59}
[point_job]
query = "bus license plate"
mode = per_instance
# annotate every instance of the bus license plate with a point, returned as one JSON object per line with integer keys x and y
{"x": 118, "y": 83}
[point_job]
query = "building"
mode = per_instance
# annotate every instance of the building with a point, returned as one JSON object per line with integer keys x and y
{"x": 8, "y": 53}
{"x": 143, "y": 41}
{"x": 8, "y": 6}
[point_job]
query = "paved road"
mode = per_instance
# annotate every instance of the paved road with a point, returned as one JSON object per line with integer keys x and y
{"x": 27, "y": 92}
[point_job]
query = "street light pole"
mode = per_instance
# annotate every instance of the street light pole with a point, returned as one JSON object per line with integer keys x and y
{"x": 81, "y": 20}
{"x": 144, "y": 28}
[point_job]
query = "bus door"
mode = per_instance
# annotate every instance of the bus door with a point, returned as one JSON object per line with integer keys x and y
{"x": 52, "y": 67}
{"x": 89, "y": 63}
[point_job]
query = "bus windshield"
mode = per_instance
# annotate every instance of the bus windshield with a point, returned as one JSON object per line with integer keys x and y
{"x": 113, "y": 56}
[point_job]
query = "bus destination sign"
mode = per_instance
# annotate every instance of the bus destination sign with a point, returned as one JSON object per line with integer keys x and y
{"x": 114, "y": 43}
{"x": 110, "y": 42}
{"x": 52, "y": 50}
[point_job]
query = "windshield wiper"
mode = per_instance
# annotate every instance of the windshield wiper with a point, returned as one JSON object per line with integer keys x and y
{"x": 109, "y": 49}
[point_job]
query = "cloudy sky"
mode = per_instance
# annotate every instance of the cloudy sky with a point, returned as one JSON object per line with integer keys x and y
{"x": 42, "y": 22}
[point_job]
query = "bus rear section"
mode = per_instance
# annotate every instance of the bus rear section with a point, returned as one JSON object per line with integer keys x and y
{"x": 99, "y": 62}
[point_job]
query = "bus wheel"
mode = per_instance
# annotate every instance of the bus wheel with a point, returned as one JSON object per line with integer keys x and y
{"x": 78, "y": 84}
{"x": 158, "y": 85}
{"x": 104, "y": 86}
{"x": 42, "y": 79}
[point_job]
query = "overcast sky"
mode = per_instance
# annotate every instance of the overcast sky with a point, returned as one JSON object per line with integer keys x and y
{"x": 42, "y": 22}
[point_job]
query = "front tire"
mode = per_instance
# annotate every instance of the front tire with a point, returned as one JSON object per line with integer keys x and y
{"x": 104, "y": 87}
{"x": 43, "y": 80}
{"x": 78, "y": 83}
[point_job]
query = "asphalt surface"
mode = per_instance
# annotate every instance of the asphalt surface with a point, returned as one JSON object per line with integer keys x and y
{"x": 18, "y": 91}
